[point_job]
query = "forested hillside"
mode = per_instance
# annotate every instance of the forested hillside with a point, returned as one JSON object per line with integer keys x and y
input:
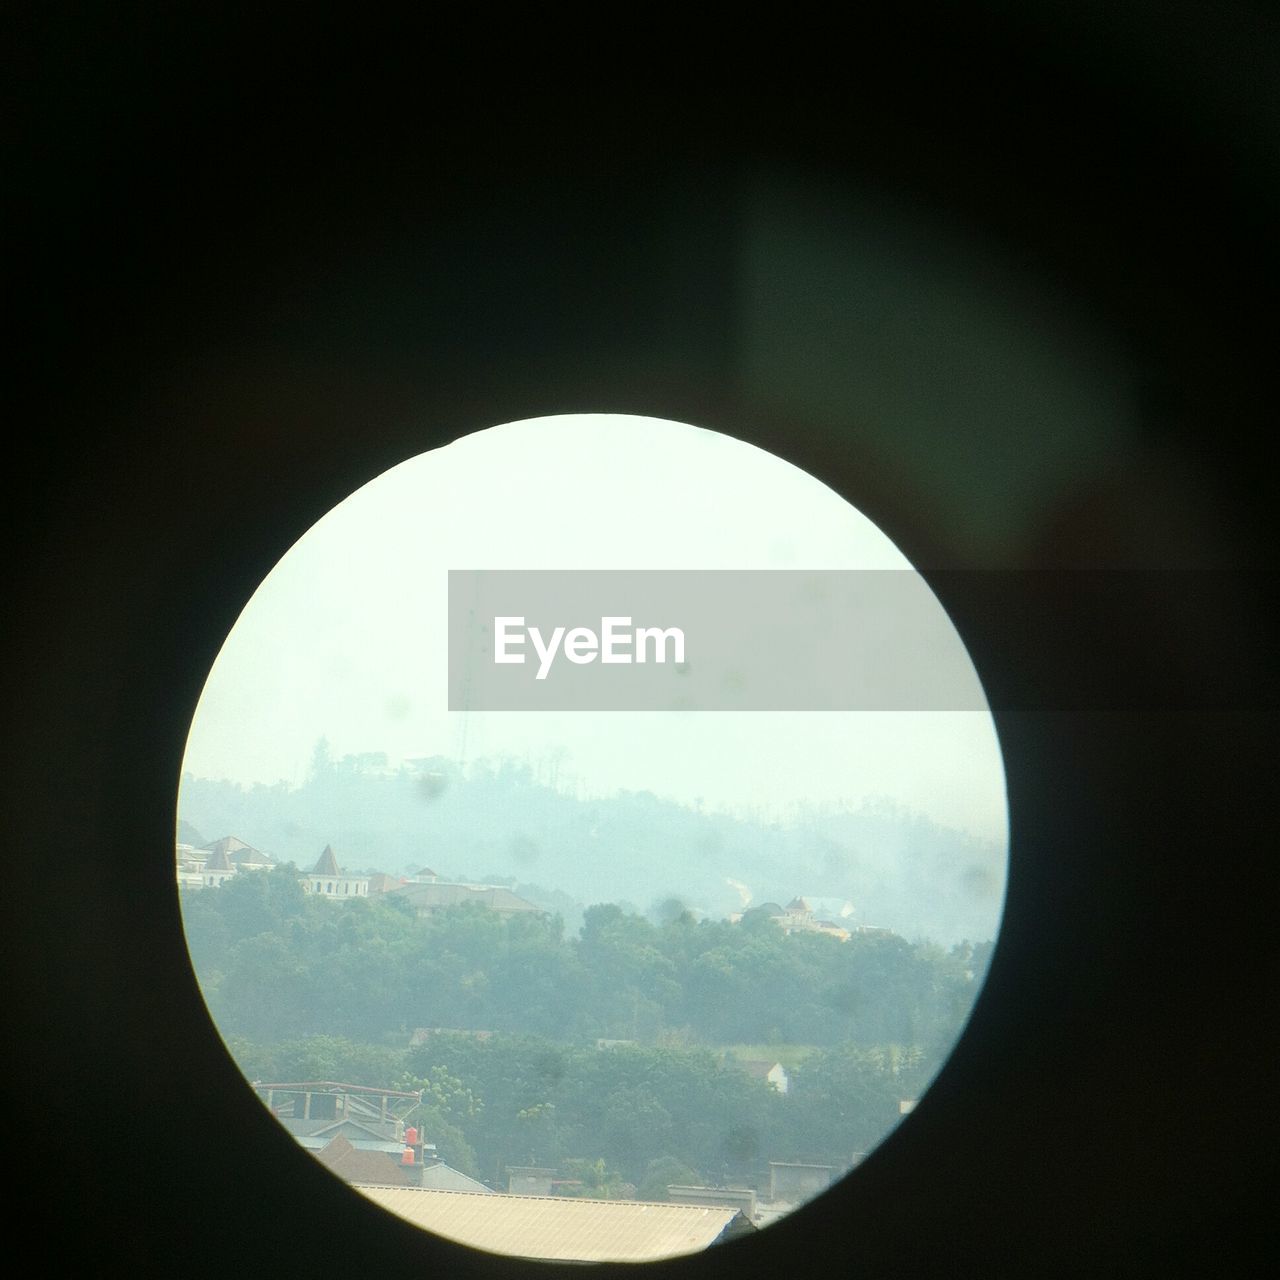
{"x": 318, "y": 989}
{"x": 273, "y": 961}
{"x": 499, "y": 820}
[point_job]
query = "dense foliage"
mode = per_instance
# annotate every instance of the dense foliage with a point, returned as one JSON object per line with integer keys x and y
{"x": 305, "y": 988}
{"x": 508, "y": 820}
{"x": 276, "y": 964}
{"x": 625, "y": 1120}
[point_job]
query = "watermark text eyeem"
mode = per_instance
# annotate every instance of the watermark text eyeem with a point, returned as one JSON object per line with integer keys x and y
{"x": 688, "y": 640}
{"x": 615, "y": 642}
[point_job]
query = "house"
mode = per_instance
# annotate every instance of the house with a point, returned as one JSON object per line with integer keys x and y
{"x": 808, "y": 915}
{"x": 415, "y": 1165}
{"x": 797, "y": 1183}
{"x": 529, "y": 1181}
{"x": 241, "y": 856}
{"x": 211, "y": 865}
{"x": 563, "y": 1228}
{"x": 380, "y": 882}
{"x": 217, "y": 868}
{"x": 318, "y": 1111}
{"x": 327, "y": 880}
{"x": 773, "y": 1073}
{"x": 352, "y": 1164}
{"x": 741, "y": 1198}
{"x": 189, "y": 863}
{"x": 797, "y": 914}
{"x": 837, "y": 910}
{"x": 831, "y": 929}
{"x": 361, "y": 1135}
{"x": 421, "y": 1035}
{"x": 429, "y": 898}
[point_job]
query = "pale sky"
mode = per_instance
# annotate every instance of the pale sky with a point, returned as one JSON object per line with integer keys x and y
{"x": 346, "y": 637}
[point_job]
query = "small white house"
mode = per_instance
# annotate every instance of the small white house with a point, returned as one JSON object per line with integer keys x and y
{"x": 773, "y": 1073}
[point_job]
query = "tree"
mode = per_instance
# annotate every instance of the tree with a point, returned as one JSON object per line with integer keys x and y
{"x": 663, "y": 1172}
{"x": 254, "y": 902}
{"x": 450, "y": 1142}
{"x": 322, "y": 1057}
{"x": 597, "y": 1181}
{"x": 266, "y": 991}
{"x": 666, "y": 911}
{"x": 321, "y": 761}
{"x": 843, "y": 1100}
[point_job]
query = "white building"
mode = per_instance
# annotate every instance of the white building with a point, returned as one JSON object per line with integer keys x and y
{"x": 212, "y": 865}
{"x": 328, "y": 880}
{"x": 771, "y": 1072}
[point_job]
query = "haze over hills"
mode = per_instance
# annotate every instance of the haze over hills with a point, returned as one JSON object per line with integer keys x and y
{"x": 499, "y": 820}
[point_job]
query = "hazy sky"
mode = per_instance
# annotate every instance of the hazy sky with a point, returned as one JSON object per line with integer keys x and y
{"x": 346, "y": 637}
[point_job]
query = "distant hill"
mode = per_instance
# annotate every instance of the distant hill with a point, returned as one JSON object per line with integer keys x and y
{"x": 899, "y": 869}
{"x": 187, "y": 834}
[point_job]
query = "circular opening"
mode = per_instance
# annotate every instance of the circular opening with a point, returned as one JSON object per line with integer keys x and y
{"x": 592, "y": 838}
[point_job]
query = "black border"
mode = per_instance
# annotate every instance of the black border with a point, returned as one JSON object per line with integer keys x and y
{"x": 256, "y": 267}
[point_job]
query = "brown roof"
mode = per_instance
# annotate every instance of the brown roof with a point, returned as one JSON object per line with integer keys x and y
{"x": 231, "y": 851}
{"x": 328, "y": 863}
{"x": 229, "y": 845}
{"x": 354, "y": 1165}
{"x": 758, "y": 1067}
{"x": 219, "y": 860}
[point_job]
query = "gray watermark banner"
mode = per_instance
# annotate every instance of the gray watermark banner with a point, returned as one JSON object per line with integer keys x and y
{"x": 704, "y": 640}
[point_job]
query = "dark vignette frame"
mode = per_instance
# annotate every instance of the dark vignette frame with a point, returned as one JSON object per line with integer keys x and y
{"x": 203, "y": 228}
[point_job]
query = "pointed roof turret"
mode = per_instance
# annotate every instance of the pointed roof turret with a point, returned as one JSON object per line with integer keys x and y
{"x": 219, "y": 860}
{"x": 328, "y": 864}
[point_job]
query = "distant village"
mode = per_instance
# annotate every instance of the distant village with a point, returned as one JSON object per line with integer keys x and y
{"x": 367, "y": 1137}
{"x": 210, "y": 866}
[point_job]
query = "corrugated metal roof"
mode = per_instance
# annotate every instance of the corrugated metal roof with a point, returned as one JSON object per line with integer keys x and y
{"x": 560, "y": 1228}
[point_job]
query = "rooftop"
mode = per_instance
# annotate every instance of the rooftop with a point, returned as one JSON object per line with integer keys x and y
{"x": 236, "y": 852}
{"x": 759, "y": 1068}
{"x": 562, "y": 1229}
{"x": 353, "y": 1165}
{"x": 327, "y": 865}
